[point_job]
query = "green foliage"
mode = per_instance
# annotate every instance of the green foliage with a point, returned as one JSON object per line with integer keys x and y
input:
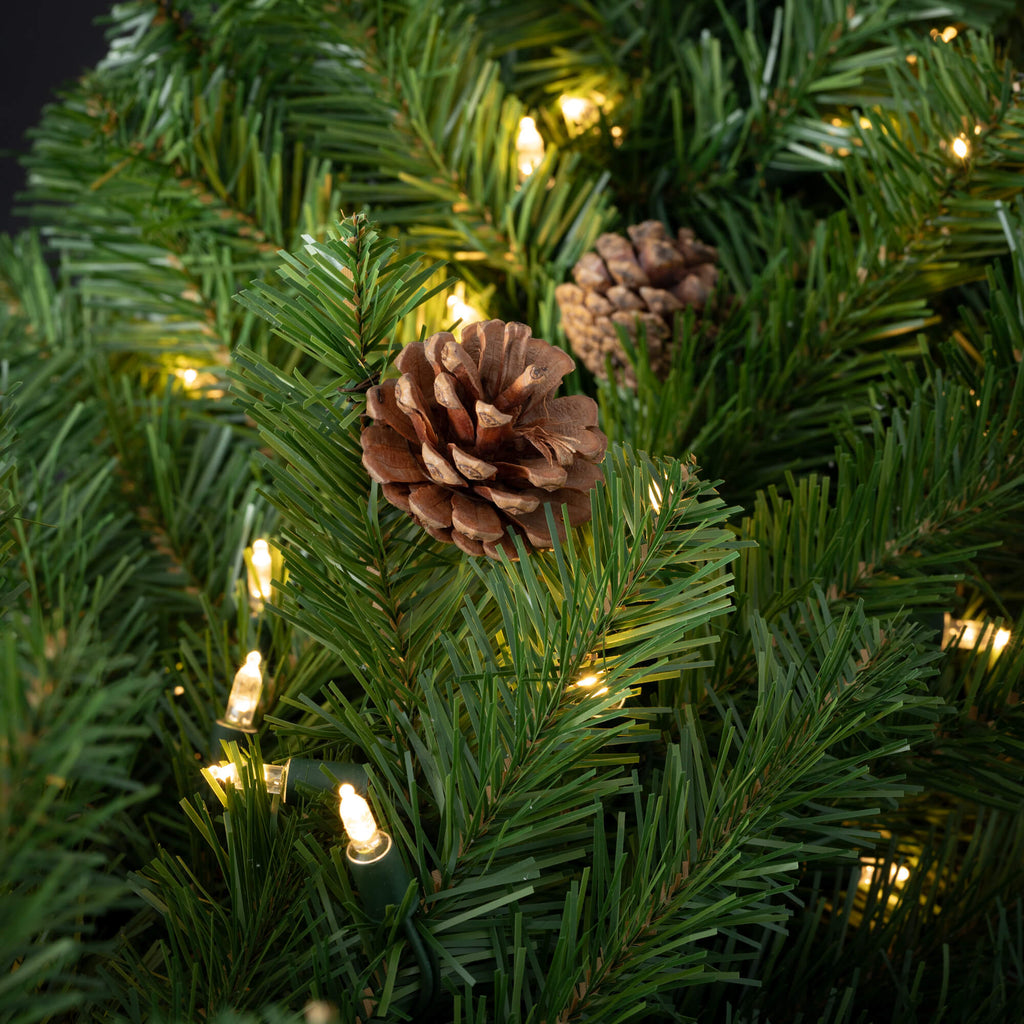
{"x": 773, "y": 699}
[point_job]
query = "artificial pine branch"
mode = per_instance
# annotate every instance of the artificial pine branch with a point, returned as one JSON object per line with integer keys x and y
{"x": 572, "y": 859}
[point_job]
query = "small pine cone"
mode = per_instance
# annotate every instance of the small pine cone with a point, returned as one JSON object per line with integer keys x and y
{"x": 645, "y": 279}
{"x": 469, "y": 440}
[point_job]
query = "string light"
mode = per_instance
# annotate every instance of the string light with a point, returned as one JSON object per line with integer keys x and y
{"x": 462, "y": 310}
{"x": 194, "y": 380}
{"x": 899, "y": 875}
{"x": 274, "y": 775}
{"x": 591, "y": 682}
{"x": 382, "y": 881}
{"x": 295, "y": 776}
{"x": 529, "y": 147}
{"x": 357, "y": 818}
{"x": 961, "y": 146}
{"x": 580, "y": 112}
{"x": 973, "y": 634}
{"x": 260, "y": 567}
{"x": 947, "y": 35}
{"x": 593, "y": 685}
{"x": 245, "y": 693}
{"x": 656, "y": 495}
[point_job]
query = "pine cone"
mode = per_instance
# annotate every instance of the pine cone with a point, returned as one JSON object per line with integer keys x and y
{"x": 469, "y": 440}
{"x": 646, "y": 280}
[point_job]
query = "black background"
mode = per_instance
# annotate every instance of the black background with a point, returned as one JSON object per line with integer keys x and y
{"x": 44, "y": 44}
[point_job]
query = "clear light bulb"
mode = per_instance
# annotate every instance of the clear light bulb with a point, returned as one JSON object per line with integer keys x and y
{"x": 961, "y": 147}
{"x": 245, "y": 693}
{"x": 274, "y": 775}
{"x": 260, "y": 571}
{"x": 529, "y": 147}
{"x": 357, "y": 818}
{"x": 224, "y": 773}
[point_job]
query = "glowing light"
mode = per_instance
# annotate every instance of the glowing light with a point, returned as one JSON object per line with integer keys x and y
{"x": 591, "y": 683}
{"x": 977, "y": 129}
{"x": 529, "y": 147}
{"x": 973, "y": 634}
{"x": 179, "y": 690}
{"x": 837, "y": 122}
{"x": 224, "y": 773}
{"x": 198, "y": 380}
{"x": 245, "y": 693}
{"x": 260, "y": 567}
{"x": 357, "y": 819}
{"x": 947, "y": 35}
{"x": 656, "y": 495}
{"x": 898, "y": 875}
{"x": 581, "y": 111}
{"x": 961, "y": 147}
{"x": 575, "y": 108}
{"x": 274, "y": 775}
{"x": 462, "y": 310}
{"x": 864, "y": 122}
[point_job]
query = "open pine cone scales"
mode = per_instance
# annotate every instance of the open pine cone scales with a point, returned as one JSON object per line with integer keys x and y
{"x": 469, "y": 440}
{"x": 641, "y": 280}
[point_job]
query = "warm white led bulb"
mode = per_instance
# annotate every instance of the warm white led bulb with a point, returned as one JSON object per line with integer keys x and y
{"x": 655, "y": 495}
{"x": 245, "y": 693}
{"x": 590, "y": 683}
{"x": 575, "y": 108}
{"x": 462, "y": 310}
{"x": 529, "y": 146}
{"x": 224, "y": 773}
{"x": 357, "y": 818}
{"x": 274, "y": 775}
{"x": 961, "y": 147}
{"x": 580, "y": 112}
{"x": 261, "y": 571}
{"x": 898, "y": 876}
{"x": 973, "y": 634}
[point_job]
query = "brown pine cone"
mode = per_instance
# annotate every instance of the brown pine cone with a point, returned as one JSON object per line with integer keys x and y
{"x": 469, "y": 440}
{"x": 645, "y": 279}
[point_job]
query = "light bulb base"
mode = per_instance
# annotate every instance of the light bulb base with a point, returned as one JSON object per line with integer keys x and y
{"x": 380, "y": 877}
{"x": 307, "y": 777}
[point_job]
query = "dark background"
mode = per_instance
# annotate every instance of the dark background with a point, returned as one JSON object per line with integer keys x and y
{"x": 43, "y": 45}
